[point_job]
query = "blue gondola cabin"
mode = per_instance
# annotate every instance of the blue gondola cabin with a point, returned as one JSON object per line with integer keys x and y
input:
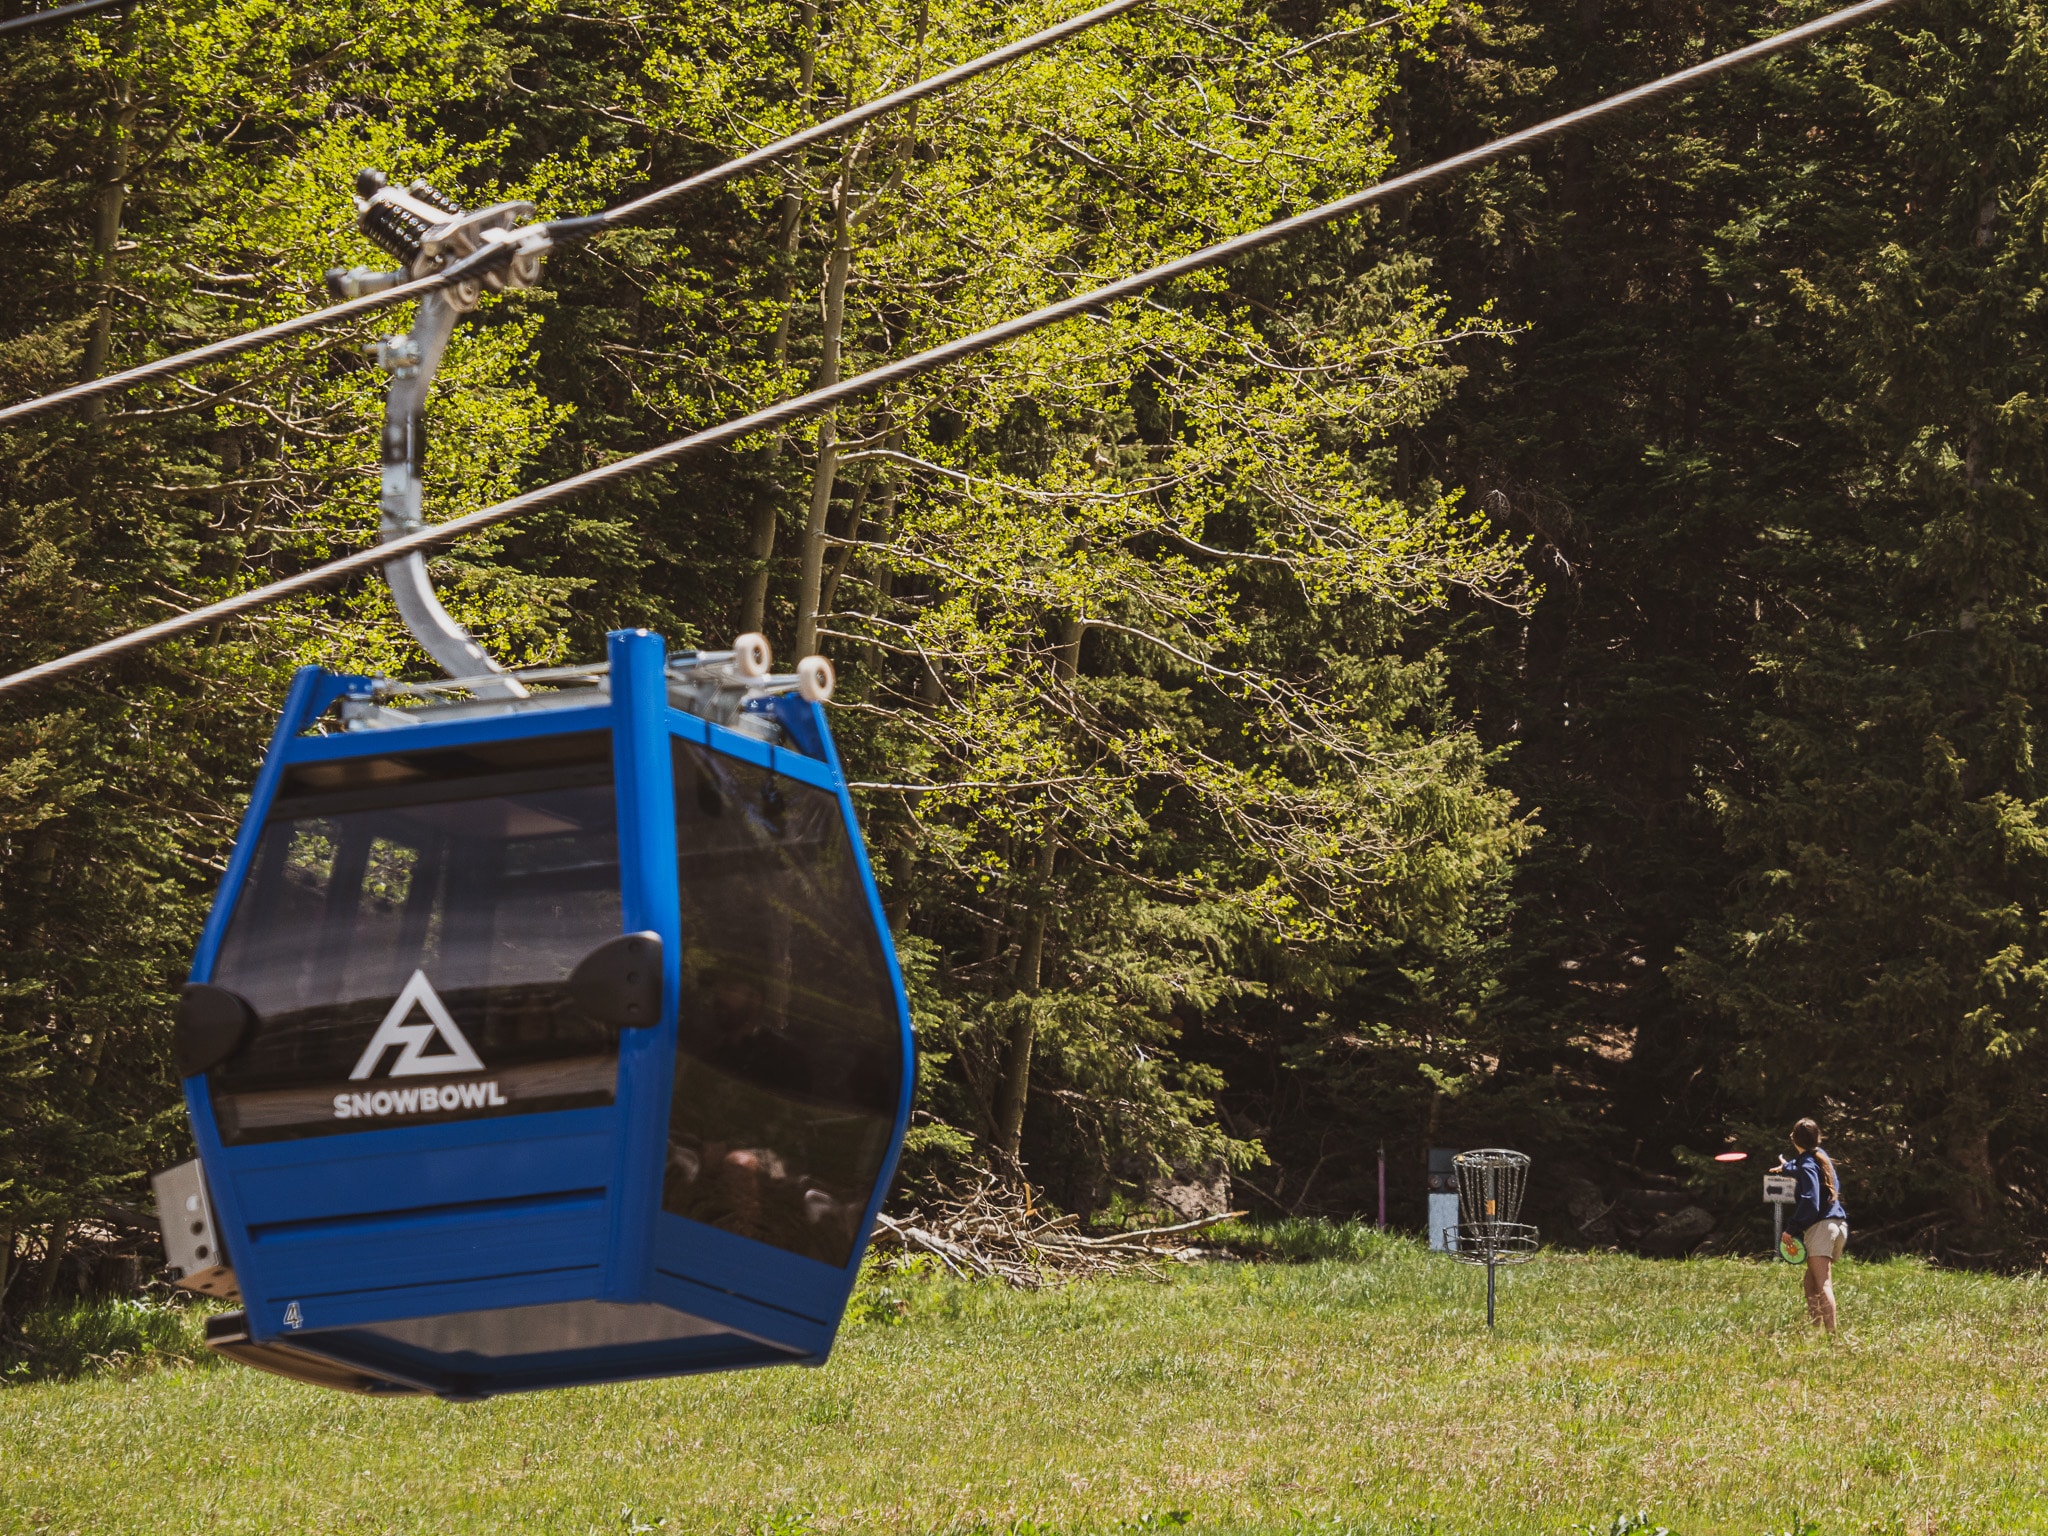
{"x": 539, "y": 1041}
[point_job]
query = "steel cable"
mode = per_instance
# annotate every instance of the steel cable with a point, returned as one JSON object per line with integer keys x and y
{"x": 877, "y": 379}
{"x": 60, "y": 13}
{"x": 562, "y": 231}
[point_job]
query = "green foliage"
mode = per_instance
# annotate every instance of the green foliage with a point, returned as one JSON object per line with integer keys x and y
{"x": 883, "y": 1297}
{"x": 1115, "y": 610}
{"x": 1770, "y": 426}
{"x": 114, "y": 1336}
{"x": 178, "y": 175}
{"x": 1120, "y": 612}
{"x": 1883, "y": 955}
{"x": 1304, "y": 1240}
{"x": 1209, "y": 667}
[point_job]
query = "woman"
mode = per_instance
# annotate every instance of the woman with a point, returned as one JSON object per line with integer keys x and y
{"x": 1817, "y": 1213}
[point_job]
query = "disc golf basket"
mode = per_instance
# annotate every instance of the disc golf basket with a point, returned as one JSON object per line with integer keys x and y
{"x": 1490, "y": 1185}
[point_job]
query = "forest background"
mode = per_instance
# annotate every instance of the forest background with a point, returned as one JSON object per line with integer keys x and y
{"x": 1555, "y": 664}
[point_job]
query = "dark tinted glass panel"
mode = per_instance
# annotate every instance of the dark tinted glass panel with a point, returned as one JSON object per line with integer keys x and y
{"x": 404, "y": 936}
{"x": 789, "y": 1059}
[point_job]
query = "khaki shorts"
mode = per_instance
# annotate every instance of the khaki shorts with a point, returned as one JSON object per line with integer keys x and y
{"x": 1827, "y": 1239}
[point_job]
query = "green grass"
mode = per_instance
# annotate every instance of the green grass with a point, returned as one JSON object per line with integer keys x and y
{"x": 58, "y": 1343}
{"x": 1343, "y": 1395}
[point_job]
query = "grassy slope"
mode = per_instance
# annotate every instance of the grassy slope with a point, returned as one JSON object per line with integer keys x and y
{"x": 1333, "y": 1397}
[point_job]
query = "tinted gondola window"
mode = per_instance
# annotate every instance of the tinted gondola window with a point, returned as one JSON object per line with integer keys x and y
{"x": 404, "y": 935}
{"x": 789, "y": 1060}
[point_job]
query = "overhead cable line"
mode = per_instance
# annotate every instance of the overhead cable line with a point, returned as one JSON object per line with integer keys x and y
{"x": 537, "y": 239}
{"x": 905, "y": 369}
{"x": 61, "y": 13}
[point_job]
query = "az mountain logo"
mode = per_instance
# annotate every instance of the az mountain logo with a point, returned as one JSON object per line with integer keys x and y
{"x": 457, "y": 1056}
{"x": 418, "y": 993}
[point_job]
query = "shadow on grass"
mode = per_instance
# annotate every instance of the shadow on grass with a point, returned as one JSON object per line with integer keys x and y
{"x": 106, "y": 1337}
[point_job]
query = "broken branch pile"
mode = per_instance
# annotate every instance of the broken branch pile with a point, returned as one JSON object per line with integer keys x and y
{"x": 997, "y": 1231}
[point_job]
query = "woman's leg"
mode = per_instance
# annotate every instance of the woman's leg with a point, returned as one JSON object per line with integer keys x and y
{"x": 1820, "y": 1290}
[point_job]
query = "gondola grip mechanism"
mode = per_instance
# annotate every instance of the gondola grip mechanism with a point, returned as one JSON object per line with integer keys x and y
{"x": 426, "y": 232}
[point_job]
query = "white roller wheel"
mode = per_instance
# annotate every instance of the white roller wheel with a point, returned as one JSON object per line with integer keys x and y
{"x": 815, "y": 679}
{"x": 751, "y": 656}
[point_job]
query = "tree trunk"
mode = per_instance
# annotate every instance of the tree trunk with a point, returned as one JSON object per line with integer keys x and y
{"x": 110, "y": 199}
{"x": 1015, "y": 1084}
{"x": 1976, "y": 1189}
{"x": 835, "y": 567}
{"x": 811, "y": 574}
{"x": 1016, "y": 1080}
{"x": 896, "y": 907}
{"x": 885, "y": 523}
{"x": 761, "y": 546}
{"x": 53, "y": 1260}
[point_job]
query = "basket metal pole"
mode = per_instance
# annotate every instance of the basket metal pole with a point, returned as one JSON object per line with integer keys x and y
{"x": 1492, "y": 1181}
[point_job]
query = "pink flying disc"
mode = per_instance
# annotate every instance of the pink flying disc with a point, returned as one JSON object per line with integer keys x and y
{"x": 1730, "y": 1157}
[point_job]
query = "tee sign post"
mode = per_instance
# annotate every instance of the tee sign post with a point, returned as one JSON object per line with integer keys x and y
{"x": 1779, "y": 1192}
{"x": 1443, "y": 1198}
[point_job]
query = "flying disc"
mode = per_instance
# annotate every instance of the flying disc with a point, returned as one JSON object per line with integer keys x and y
{"x": 1790, "y": 1249}
{"x": 1731, "y": 1157}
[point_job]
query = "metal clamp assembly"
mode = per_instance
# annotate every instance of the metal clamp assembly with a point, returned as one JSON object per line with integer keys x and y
{"x": 426, "y": 230}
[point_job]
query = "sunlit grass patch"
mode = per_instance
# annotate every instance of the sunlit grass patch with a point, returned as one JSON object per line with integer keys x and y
{"x": 1329, "y": 1397}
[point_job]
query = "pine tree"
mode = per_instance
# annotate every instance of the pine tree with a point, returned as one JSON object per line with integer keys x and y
{"x": 1884, "y": 955}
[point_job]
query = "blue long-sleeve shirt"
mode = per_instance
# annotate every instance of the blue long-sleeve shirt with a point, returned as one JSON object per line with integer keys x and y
{"x": 1810, "y": 1192}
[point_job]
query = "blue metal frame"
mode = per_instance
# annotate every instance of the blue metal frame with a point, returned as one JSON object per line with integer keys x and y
{"x": 563, "y": 1206}
{"x": 647, "y": 865}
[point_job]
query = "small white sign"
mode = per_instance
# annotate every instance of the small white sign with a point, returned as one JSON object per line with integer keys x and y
{"x": 1443, "y": 1214}
{"x": 1780, "y": 1189}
